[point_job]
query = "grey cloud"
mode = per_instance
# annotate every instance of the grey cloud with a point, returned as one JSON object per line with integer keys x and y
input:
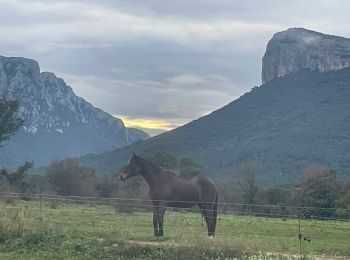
{"x": 161, "y": 59}
{"x": 149, "y": 99}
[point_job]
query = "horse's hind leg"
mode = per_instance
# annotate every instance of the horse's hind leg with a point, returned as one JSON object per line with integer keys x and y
{"x": 160, "y": 220}
{"x": 155, "y": 223}
{"x": 208, "y": 218}
{"x": 210, "y": 224}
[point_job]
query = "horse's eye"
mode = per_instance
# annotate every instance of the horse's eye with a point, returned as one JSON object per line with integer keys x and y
{"x": 122, "y": 169}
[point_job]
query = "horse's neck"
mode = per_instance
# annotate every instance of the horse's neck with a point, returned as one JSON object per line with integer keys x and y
{"x": 153, "y": 175}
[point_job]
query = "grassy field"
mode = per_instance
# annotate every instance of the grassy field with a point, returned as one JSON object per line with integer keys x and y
{"x": 72, "y": 231}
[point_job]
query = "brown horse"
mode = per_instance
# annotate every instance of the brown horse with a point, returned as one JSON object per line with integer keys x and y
{"x": 166, "y": 189}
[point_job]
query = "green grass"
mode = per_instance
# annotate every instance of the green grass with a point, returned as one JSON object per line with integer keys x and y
{"x": 98, "y": 232}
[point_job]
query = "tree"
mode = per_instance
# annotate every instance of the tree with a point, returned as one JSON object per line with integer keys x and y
{"x": 229, "y": 191}
{"x": 68, "y": 178}
{"x": 189, "y": 167}
{"x": 9, "y": 121}
{"x": 106, "y": 186}
{"x": 165, "y": 160}
{"x": 275, "y": 196}
{"x": 186, "y": 167}
{"x": 278, "y": 197}
{"x": 319, "y": 189}
{"x": 15, "y": 181}
{"x": 343, "y": 205}
{"x": 249, "y": 187}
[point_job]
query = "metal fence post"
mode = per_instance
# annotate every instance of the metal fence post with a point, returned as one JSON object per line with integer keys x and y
{"x": 41, "y": 215}
{"x": 300, "y": 236}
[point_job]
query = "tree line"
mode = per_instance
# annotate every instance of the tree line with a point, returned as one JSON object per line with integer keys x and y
{"x": 317, "y": 191}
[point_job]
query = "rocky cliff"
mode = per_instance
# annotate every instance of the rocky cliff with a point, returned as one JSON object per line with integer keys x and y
{"x": 57, "y": 123}
{"x": 296, "y": 49}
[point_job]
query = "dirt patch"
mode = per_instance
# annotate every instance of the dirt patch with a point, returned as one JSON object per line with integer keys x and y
{"x": 153, "y": 243}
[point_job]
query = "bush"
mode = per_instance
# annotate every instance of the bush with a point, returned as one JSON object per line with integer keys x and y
{"x": 68, "y": 178}
{"x": 106, "y": 186}
{"x": 344, "y": 204}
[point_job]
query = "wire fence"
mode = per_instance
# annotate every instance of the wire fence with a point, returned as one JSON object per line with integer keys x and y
{"x": 131, "y": 201}
{"x": 96, "y": 213}
{"x": 136, "y": 204}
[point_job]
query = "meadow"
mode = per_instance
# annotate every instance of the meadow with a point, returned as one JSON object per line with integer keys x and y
{"x": 61, "y": 230}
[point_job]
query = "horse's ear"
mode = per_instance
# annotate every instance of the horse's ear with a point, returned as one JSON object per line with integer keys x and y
{"x": 133, "y": 155}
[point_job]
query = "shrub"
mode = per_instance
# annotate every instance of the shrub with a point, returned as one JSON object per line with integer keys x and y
{"x": 68, "y": 178}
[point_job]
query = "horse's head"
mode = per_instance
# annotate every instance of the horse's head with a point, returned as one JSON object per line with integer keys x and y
{"x": 132, "y": 169}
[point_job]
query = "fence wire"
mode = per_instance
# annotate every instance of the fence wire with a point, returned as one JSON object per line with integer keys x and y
{"x": 94, "y": 198}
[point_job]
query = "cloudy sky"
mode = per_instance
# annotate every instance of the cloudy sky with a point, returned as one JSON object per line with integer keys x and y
{"x": 157, "y": 63}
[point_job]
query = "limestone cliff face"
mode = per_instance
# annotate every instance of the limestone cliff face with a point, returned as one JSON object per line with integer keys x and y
{"x": 57, "y": 123}
{"x": 296, "y": 49}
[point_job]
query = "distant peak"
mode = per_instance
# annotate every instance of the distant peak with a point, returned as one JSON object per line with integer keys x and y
{"x": 296, "y": 35}
{"x": 51, "y": 78}
{"x": 12, "y": 65}
{"x": 300, "y": 30}
{"x": 296, "y": 49}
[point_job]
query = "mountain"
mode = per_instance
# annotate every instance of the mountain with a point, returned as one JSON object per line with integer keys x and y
{"x": 283, "y": 125}
{"x": 295, "y": 49}
{"x": 57, "y": 123}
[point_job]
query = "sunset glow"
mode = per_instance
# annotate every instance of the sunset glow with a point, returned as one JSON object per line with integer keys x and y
{"x": 147, "y": 123}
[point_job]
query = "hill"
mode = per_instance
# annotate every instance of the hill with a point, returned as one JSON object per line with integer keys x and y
{"x": 284, "y": 125}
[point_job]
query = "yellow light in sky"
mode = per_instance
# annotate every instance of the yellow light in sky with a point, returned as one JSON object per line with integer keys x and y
{"x": 146, "y": 123}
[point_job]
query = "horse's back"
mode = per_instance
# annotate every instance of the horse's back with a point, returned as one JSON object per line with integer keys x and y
{"x": 182, "y": 192}
{"x": 176, "y": 192}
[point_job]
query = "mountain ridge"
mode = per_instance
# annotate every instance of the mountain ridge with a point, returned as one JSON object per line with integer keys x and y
{"x": 251, "y": 128}
{"x": 50, "y": 109}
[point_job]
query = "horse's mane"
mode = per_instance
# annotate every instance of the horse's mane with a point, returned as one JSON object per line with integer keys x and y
{"x": 157, "y": 167}
{"x": 170, "y": 171}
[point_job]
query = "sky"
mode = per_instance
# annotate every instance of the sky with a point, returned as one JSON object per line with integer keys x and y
{"x": 158, "y": 64}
